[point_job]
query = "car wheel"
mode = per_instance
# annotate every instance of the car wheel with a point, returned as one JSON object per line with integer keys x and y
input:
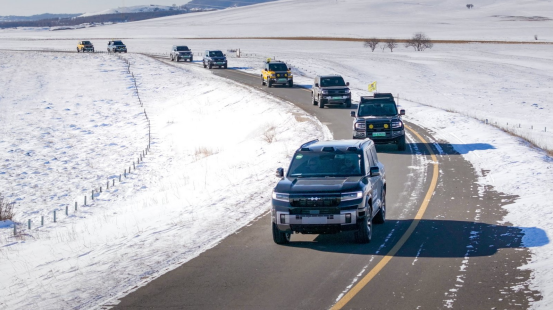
{"x": 364, "y": 232}
{"x": 348, "y": 103}
{"x": 380, "y": 217}
{"x": 290, "y": 83}
{"x": 191, "y": 59}
{"x": 78, "y": 50}
{"x": 269, "y": 83}
{"x": 321, "y": 104}
{"x": 203, "y": 62}
{"x": 225, "y": 66}
{"x": 210, "y": 65}
{"x": 313, "y": 101}
{"x": 280, "y": 237}
{"x": 401, "y": 144}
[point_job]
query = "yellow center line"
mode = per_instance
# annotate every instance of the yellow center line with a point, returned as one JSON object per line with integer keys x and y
{"x": 359, "y": 286}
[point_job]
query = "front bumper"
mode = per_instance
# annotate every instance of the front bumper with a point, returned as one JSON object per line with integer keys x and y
{"x": 389, "y": 137}
{"x": 284, "y": 80}
{"x": 184, "y": 56}
{"x": 327, "y": 99}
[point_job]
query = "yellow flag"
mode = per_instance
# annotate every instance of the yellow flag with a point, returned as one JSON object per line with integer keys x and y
{"x": 372, "y": 86}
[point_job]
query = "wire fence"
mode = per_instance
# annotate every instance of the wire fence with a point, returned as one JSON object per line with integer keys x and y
{"x": 19, "y": 228}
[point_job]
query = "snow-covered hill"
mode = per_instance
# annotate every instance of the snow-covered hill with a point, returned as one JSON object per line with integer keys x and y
{"x": 133, "y": 9}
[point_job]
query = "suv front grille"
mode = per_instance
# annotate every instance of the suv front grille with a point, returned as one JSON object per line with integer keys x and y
{"x": 337, "y": 92}
{"x": 379, "y": 126}
{"x": 318, "y": 211}
{"x": 315, "y": 201}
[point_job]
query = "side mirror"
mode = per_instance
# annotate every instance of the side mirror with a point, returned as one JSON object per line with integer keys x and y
{"x": 374, "y": 171}
{"x": 352, "y": 113}
{"x": 225, "y": 55}
{"x": 316, "y": 84}
{"x": 280, "y": 172}
{"x": 402, "y": 112}
{"x": 347, "y": 83}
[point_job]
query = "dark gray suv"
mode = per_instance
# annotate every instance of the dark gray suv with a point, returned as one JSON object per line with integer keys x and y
{"x": 330, "y": 89}
{"x": 214, "y": 58}
{"x": 179, "y": 52}
{"x": 330, "y": 187}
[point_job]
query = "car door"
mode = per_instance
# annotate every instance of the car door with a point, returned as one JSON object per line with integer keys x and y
{"x": 375, "y": 192}
{"x": 379, "y": 179}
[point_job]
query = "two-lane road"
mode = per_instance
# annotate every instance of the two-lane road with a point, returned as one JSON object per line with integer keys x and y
{"x": 440, "y": 248}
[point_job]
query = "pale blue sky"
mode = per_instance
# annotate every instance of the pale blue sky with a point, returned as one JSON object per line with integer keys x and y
{"x": 32, "y": 7}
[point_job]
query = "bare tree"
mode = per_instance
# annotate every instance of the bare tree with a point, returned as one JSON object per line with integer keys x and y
{"x": 535, "y": 36}
{"x": 371, "y": 43}
{"x": 469, "y": 6}
{"x": 419, "y": 42}
{"x": 391, "y": 44}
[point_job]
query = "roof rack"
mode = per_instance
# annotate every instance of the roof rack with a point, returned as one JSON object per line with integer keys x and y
{"x": 304, "y": 147}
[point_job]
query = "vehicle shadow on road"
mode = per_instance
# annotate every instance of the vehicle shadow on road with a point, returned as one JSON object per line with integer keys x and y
{"x": 432, "y": 238}
{"x": 437, "y": 148}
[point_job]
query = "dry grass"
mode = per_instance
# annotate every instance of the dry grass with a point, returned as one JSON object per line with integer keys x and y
{"x": 269, "y": 135}
{"x": 6, "y": 209}
{"x": 203, "y": 152}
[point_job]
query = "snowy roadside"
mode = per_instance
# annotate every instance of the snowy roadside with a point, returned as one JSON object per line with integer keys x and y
{"x": 210, "y": 138}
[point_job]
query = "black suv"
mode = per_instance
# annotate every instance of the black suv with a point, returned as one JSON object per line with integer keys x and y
{"x": 181, "y": 52}
{"x": 330, "y": 187}
{"x": 116, "y": 47}
{"x": 378, "y": 119}
{"x": 214, "y": 58}
{"x": 330, "y": 89}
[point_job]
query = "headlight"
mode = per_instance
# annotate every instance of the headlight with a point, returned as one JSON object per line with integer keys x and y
{"x": 397, "y": 124}
{"x": 272, "y": 75}
{"x": 324, "y": 92}
{"x": 281, "y": 196}
{"x": 347, "y": 91}
{"x": 361, "y": 126}
{"x": 352, "y": 196}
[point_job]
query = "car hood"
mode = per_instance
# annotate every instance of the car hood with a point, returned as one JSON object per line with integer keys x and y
{"x": 218, "y": 58}
{"x": 318, "y": 185}
{"x": 335, "y": 87}
{"x": 379, "y": 118}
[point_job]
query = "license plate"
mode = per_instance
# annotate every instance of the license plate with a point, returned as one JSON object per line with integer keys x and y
{"x": 282, "y": 80}
{"x": 379, "y": 134}
{"x": 339, "y": 97}
{"x": 220, "y": 63}
{"x": 314, "y": 220}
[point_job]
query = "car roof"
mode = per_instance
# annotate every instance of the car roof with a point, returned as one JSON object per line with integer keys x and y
{"x": 341, "y": 145}
{"x": 329, "y": 75}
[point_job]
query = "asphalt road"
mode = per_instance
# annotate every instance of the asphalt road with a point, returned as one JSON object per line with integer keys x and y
{"x": 441, "y": 246}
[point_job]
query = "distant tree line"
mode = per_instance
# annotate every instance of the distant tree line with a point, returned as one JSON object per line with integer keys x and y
{"x": 95, "y": 19}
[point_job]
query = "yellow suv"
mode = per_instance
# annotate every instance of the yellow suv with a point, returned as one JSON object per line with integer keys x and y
{"x": 276, "y": 72}
{"x": 85, "y": 46}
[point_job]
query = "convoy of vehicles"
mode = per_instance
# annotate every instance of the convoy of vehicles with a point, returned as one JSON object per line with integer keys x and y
{"x": 378, "y": 118}
{"x": 276, "y": 72}
{"x": 330, "y": 187}
{"x": 116, "y": 46}
{"x": 214, "y": 58}
{"x": 330, "y": 89}
{"x": 85, "y": 46}
{"x": 179, "y": 52}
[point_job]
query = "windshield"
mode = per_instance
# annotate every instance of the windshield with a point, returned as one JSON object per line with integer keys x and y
{"x": 324, "y": 164}
{"x": 332, "y": 81}
{"x": 278, "y": 67}
{"x": 118, "y": 43}
{"x": 86, "y": 42}
{"x": 182, "y": 48}
{"x": 216, "y": 54}
{"x": 378, "y": 109}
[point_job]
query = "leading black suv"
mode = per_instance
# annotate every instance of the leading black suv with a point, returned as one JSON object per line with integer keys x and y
{"x": 214, "y": 58}
{"x": 330, "y": 187}
{"x": 378, "y": 118}
{"x": 330, "y": 89}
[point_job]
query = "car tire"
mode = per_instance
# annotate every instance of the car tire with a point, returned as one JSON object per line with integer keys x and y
{"x": 78, "y": 50}
{"x": 172, "y": 58}
{"x": 348, "y": 103}
{"x": 380, "y": 217}
{"x": 191, "y": 59}
{"x": 280, "y": 237}
{"x": 210, "y": 65}
{"x": 225, "y": 66}
{"x": 313, "y": 101}
{"x": 269, "y": 83}
{"x": 203, "y": 62}
{"x": 401, "y": 144}
{"x": 321, "y": 104}
{"x": 290, "y": 83}
{"x": 365, "y": 230}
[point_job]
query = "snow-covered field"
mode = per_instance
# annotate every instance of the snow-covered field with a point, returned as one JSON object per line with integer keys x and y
{"x": 80, "y": 124}
{"x": 450, "y": 89}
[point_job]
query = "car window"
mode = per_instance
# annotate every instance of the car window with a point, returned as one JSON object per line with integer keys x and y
{"x": 386, "y": 108}
{"x": 278, "y": 67}
{"x": 215, "y": 54}
{"x": 332, "y": 81}
{"x": 374, "y": 156}
{"x": 324, "y": 164}
{"x": 182, "y": 48}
